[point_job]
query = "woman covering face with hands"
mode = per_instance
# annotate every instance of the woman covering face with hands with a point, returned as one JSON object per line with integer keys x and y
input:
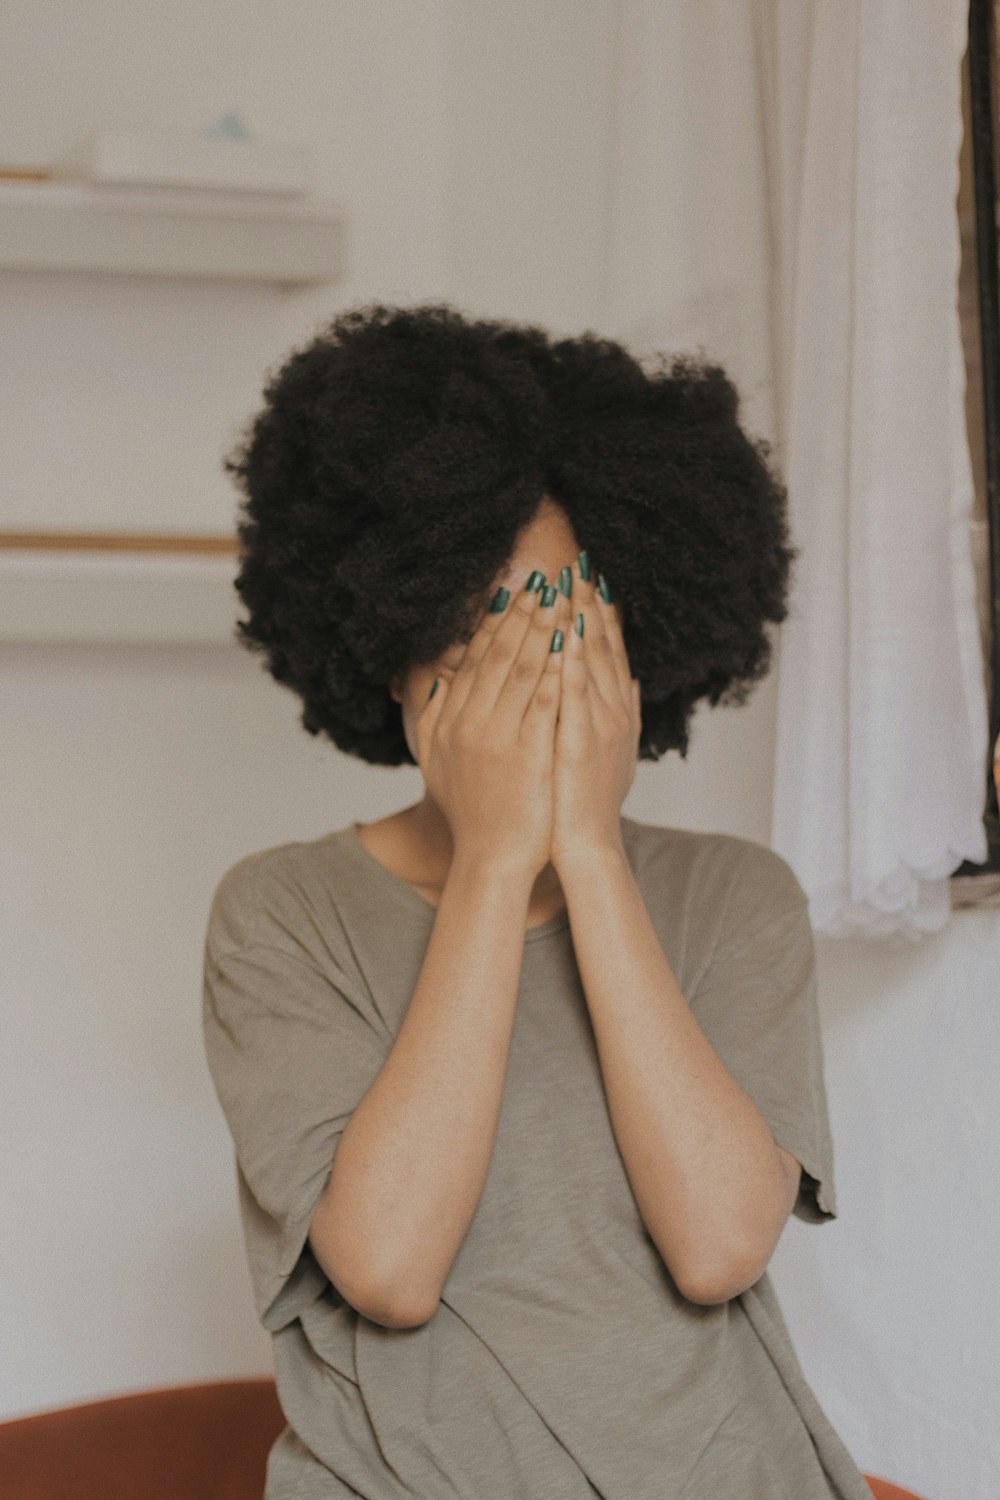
{"x": 522, "y": 1090}
{"x": 530, "y": 747}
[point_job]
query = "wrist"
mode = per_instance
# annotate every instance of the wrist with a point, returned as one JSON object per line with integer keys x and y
{"x": 478, "y": 870}
{"x": 588, "y": 856}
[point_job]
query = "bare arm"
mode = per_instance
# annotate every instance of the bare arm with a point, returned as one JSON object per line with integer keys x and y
{"x": 410, "y": 1166}
{"x": 411, "y": 1163}
{"x": 713, "y": 1186}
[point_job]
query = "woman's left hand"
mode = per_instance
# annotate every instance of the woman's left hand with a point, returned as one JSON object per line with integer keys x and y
{"x": 597, "y": 730}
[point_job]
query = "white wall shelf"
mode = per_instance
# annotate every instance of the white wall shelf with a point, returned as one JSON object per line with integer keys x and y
{"x": 58, "y": 226}
{"x": 49, "y": 597}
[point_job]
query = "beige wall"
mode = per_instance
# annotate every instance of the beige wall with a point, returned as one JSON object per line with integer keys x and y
{"x": 470, "y": 147}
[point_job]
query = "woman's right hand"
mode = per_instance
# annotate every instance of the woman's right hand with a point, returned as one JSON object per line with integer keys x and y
{"x": 486, "y": 737}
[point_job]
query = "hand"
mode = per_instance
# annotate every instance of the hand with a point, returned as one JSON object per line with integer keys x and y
{"x": 597, "y": 730}
{"x": 486, "y": 735}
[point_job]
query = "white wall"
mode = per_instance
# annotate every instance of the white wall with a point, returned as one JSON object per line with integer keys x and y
{"x": 470, "y": 147}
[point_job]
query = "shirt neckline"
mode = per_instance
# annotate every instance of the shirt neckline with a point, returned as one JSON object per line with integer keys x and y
{"x": 418, "y": 903}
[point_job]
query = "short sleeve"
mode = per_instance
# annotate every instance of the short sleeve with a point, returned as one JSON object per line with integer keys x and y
{"x": 292, "y": 1047}
{"x": 757, "y": 1004}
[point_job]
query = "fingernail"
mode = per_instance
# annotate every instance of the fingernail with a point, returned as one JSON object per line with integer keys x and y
{"x": 499, "y": 601}
{"x": 579, "y": 623}
{"x": 557, "y": 640}
{"x": 535, "y": 582}
{"x": 434, "y": 686}
{"x": 566, "y": 581}
{"x": 584, "y": 562}
{"x": 548, "y": 595}
{"x": 602, "y": 588}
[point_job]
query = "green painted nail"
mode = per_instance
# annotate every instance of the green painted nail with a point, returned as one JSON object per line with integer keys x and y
{"x": 535, "y": 582}
{"x": 566, "y": 581}
{"x": 499, "y": 601}
{"x": 548, "y": 595}
{"x": 584, "y": 562}
{"x": 602, "y": 588}
{"x": 557, "y": 641}
{"x": 434, "y": 686}
{"x": 579, "y": 623}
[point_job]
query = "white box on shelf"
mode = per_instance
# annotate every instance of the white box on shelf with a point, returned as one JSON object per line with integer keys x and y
{"x": 152, "y": 158}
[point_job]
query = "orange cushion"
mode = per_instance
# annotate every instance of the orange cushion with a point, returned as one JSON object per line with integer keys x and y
{"x": 202, "y": 1442}
{"x": 884, "y": 1489}
{"x": 199, "y": 1442}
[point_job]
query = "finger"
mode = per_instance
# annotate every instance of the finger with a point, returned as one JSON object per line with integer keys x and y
{"x": 429, "y": 715}
{"x": 506, "y": 674}
{"x": 442, "y": 692}
{"x": 538, "y": 727}
{"x": 504, "y": 629}
{"x": 606, "y": 610}
{"x": 599, "y": 648}
{"x": 576, "y": 710}
{"x": 517, "y": 689}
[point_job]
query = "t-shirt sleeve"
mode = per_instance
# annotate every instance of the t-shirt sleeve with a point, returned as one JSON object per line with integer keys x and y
{"x": 757, "y": 1003}
{"x": 292, "y": 1047}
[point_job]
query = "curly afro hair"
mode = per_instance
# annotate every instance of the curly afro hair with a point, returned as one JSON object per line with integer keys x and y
{"x": 398, "y": 455}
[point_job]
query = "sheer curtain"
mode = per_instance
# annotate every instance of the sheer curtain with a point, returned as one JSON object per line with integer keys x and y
{"x": 784, "y": 200}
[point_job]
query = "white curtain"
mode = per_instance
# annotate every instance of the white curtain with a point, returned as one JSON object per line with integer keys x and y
{"x": 785, "y": 183}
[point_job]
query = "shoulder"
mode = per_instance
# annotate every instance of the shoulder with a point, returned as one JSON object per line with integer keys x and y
{"x": 717, "y": 890}
{"x": 748, "y": 876}
{"x": 265, "y": 893}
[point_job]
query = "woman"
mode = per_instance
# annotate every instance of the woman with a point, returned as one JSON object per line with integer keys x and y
{"x": 522, "y": 1091}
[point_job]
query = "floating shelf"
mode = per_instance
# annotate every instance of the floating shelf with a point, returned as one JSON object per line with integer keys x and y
{"x": 136, "y": 593}
{"x": 242, "y": 236}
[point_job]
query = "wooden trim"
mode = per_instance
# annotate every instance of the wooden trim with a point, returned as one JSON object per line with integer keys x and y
{"x": 982, "y": 85}
{"x": 111, "y": 541}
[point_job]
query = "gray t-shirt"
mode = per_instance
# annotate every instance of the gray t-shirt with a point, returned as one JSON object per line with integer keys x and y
{"x": 562, "y": 1361}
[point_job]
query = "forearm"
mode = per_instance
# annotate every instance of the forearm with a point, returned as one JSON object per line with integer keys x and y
{"x": 700, "y": 1157}
{"x": 412, "y": 1161}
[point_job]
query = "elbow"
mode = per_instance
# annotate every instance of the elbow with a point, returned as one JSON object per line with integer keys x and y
{"x": 709, "y": 1294}
{"x": 712, "y": 1293}
{"x": 379, "y": 1299}
{"x": 379, "y": 1293}
{"x": 711, "y": 1289}
{"x": 723, "y": 1272}
{"x": 396, "y": 1302}
{"x": 393, "y": 1312}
